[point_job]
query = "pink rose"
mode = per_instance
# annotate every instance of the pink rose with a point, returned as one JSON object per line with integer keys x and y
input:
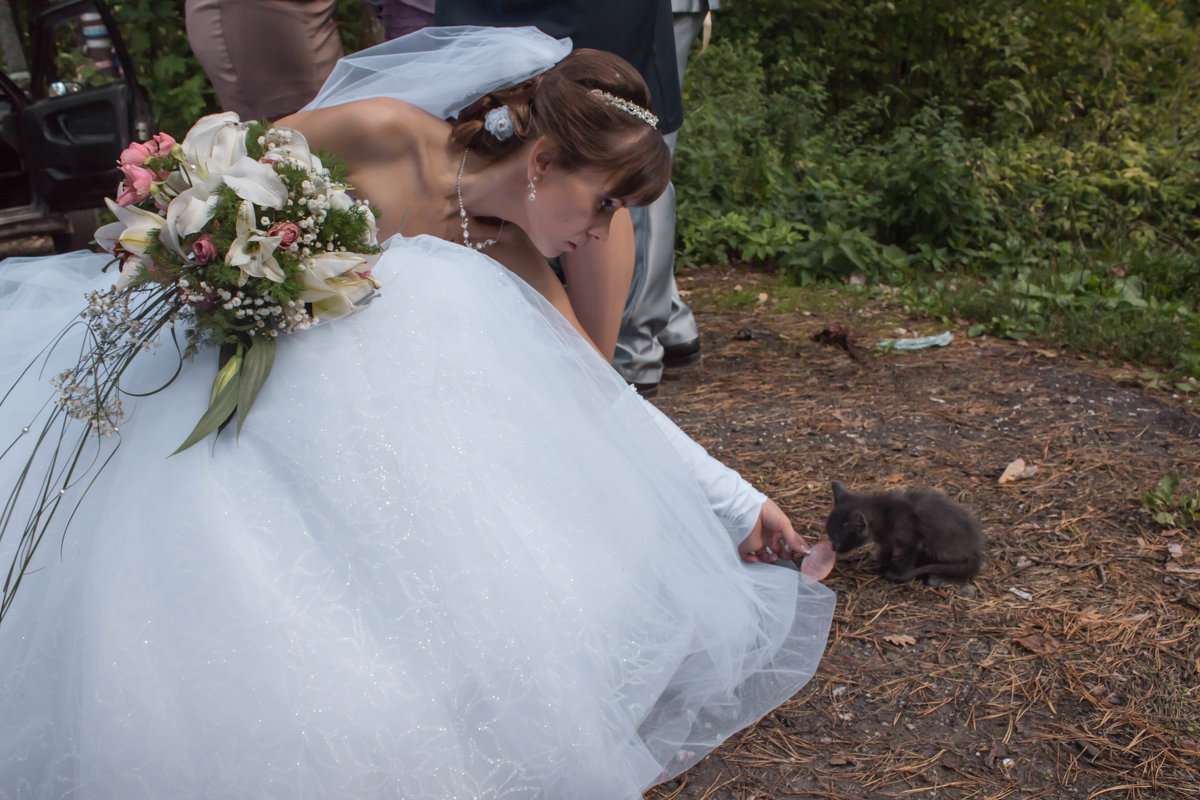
{"x": 128, "y": 196}
{"x": 135, "y": 155}
{"x": 288, "y": 233}
{"x": 203, "y": 249}
{"x": 164, "y": 143}
{"x": 138, "y": 183}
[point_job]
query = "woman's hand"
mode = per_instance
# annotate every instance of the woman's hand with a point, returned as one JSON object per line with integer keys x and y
{"x": 772, "y": 537}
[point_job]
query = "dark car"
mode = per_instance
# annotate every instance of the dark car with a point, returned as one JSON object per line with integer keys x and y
{"x": 69, "y": 104}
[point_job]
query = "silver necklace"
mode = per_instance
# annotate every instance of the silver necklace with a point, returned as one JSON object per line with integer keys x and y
{"x": 462, "y": 211}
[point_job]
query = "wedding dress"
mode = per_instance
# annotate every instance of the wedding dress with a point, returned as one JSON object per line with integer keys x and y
{"x": 450, "y": 555}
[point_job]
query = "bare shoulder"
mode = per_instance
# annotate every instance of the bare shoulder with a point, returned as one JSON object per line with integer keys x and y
{"x": 375, "y": 129}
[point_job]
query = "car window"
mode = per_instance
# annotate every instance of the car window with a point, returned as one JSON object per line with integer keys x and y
{"x": 84, "y": 56}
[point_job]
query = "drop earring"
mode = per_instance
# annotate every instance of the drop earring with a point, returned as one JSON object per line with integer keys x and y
{"x": 533, "y": 189}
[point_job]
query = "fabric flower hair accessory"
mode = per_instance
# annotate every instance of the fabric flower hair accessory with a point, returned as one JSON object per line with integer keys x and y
{"x": 499, "y": 123}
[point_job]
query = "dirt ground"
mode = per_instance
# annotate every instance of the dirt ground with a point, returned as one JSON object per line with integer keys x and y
{"x": 1069, "y": 669}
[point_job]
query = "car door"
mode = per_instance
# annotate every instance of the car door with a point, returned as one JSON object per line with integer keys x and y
{"x": 15, "y": 188}
{"x": 81, "y": 106}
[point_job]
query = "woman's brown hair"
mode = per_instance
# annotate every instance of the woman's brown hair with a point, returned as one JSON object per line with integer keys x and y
{"x": 585, "y": 129}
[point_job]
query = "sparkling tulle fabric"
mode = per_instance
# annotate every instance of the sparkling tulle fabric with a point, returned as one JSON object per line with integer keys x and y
{"x": 450, "y": 556}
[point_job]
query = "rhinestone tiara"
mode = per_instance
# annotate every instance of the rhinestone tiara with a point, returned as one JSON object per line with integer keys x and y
{"x": 632, "y": 109}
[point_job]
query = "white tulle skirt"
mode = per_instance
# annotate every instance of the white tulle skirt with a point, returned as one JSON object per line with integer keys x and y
{"x": 450, "y": 556}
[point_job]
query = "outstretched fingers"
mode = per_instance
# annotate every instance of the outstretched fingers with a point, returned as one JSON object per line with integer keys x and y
{"x": 772, "y": 537}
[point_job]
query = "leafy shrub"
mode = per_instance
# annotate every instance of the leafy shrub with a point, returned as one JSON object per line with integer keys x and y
{"x": 163, "y": 60}
{"x": 1045, "y": 155}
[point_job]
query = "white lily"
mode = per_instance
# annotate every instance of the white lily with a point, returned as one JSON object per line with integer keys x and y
{"x": 131, "y": 230}
{"x": 324, "y": 266}
{"x": 334, "y": 285}
{"x": 256, "y": 182}
{"x": 296, "y": 149}
{"x": 252, "y": 251}
{"x": 214, "y": 144}
{"x": 188, "y": 213}
{"x": 131, "y": 267}
{"x": 176, "y": 183}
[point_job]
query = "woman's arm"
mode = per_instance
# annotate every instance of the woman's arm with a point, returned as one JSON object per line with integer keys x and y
{"x": 759, "y": 528}
{"x": 598, "y": 278}
{"x": 521, "y": 258}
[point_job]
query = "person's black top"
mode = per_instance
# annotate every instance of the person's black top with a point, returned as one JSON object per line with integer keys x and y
{"x": 639, "y": 31}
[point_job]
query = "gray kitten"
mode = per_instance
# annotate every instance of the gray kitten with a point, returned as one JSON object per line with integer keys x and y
{"x": 918, "y": 531}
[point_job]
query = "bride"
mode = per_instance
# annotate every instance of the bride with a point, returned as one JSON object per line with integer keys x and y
{"x": 451, "y": 554}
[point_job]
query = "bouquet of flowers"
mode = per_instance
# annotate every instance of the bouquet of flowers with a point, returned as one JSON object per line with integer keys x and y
{"x": 241, "y": 230}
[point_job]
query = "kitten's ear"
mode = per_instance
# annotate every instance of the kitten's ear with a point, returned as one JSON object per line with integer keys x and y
{"x": 859, "y": 521}
{"x": 840, "y": 493}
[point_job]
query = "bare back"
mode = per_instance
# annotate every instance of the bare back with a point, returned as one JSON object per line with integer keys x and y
{"x": 394, "y": 153}
{"x": 401, "y": 160}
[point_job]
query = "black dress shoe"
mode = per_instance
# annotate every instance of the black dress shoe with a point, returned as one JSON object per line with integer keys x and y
{"x": 678, "y": 355}
{"x": 646, "y": 389}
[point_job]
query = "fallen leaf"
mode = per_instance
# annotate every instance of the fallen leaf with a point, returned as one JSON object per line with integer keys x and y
{"x": 1039, "y": 643}
{"x": 857, "y": 279}
{"x": 762, "y": 297}
{"x": 900, "y": 639}
{"x": 1017, "y": 470}
{"x": 1014, "y": 469}
{"x": 1021, "y": 593}
{"x": 1046, "y": 353}
{"x": 840, "y": 761}
{"x": 1176, "y": 550}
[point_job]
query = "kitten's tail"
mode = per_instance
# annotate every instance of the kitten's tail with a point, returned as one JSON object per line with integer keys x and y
{"x": 955, "y": 570}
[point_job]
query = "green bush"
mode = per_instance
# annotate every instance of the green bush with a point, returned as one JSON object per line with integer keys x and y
{"x": 154, "y": 33}
{"x": 1045, "y": 157}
